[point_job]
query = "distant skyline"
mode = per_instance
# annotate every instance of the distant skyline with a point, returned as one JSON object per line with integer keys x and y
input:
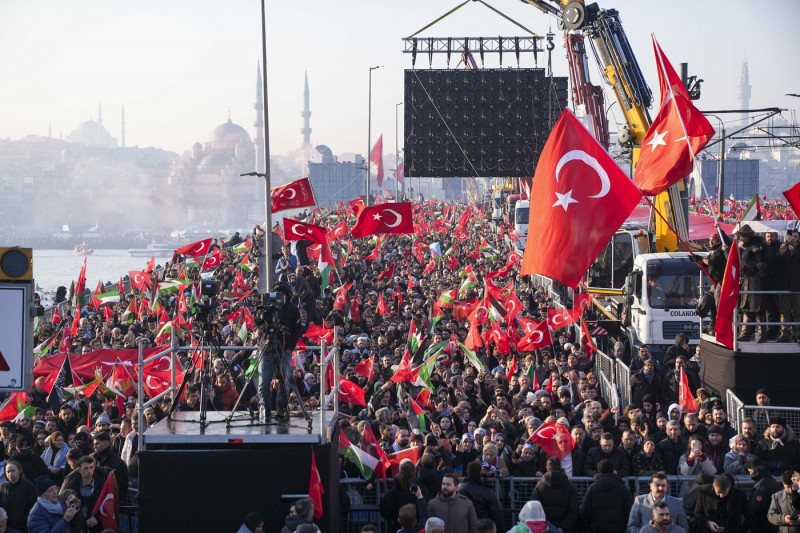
{"x": 179, "y": 67}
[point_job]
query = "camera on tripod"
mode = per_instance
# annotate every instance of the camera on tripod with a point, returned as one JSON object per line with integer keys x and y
{"x": 209, "y": 289}
{"x": 270, "y": 307}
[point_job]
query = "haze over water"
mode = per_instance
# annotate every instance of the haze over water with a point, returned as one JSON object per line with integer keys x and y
{"x": 52, "y": 268}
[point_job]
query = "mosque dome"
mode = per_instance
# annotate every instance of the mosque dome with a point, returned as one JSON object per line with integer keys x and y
{"x": 92, "y": 133}
{"x": 214, "y": 161}
{"x": 226, "y": 136}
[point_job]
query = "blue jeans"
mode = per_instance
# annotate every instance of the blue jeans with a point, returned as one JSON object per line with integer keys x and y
{"x": 265, "y": 375}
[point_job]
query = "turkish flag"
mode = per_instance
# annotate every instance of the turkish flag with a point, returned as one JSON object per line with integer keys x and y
{"x": 107, "y": 505}
{"x": 793, "y": 197}
{"x": 665, "y": 154}
{"x": 315, "y": 488}
{"x": 538, "y": 337}
{"x": 547, "y": 437}
{"x": 388, "y": 273}
{"x": 580, "y": 197}
{"x": 340, "y": 230}
{"x": 580, "y": 301}
{"x": 381, "y": 308}
{"x": 559, "y": 318}
{"x": 376, "y": 156}
{"x": 411, "y": 454}
{"x": 292, "y": 195}
{"x": 686, "y": 399}
{"x": 213, "y": 261}
{"x": 351, "y": 393}
{"x": 296, "y": 230}
{"x": 400, "y": 174}
{"x": 728, "y": 298}
{"x": 365, "y": 368}
{"x": 587, "y": 345}
{"x": 384, "y": 218}
{"x": 195, "y": 249}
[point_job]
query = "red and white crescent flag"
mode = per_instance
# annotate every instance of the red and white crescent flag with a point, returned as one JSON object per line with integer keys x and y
{"x": 384, "y": 218}
{"x": 292, "y": 195}
{"x": 793, "y": 197}
{"x": 195, "y": 249}
{"x": 536, "y": 337}
{"x": 559, "y": 318}
{"x": 376, "y": 156}
{"x": 728, "y": 298}
{"x": 580, "y": 197}
{"x": 548, "y": 436}
{"x": 665, "y": 155}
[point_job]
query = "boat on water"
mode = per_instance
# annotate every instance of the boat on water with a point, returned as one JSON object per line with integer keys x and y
{"x": 82, "y": 249}
{"x": 153, "y": 250}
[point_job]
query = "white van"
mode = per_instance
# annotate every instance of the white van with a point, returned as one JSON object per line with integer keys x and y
{"x": 521, "y": 215}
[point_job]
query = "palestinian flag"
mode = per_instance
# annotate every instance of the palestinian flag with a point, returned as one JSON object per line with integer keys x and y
{"x": 416, "y": 417}
{"x": 473, "y": 358}
{"x": 426, "y": 370}
{"x": 466, "y": 285}
{"x": 414, "y": 338}
{"x": 14, "y": 405}
{"x": 446, "y": 299}
{"x": 109, "y": 297}
{"x": 752, "y": 211}
{"x": 437, "y": 316}
{"x": 366, "y": 463}
{"x": 246, "y": 265}
{"x": 130, "y": 313}
{"x": 531, "y": 373}
{"x": 171, "y": 285}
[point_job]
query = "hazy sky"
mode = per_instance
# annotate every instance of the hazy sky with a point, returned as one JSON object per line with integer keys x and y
{"x": 179, "y": 66}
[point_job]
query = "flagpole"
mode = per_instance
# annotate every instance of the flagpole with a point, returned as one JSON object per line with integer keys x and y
{"x": 367, "y": 200}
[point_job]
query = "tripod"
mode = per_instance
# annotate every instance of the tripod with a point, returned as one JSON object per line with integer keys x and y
{"x": 273, "y": 347}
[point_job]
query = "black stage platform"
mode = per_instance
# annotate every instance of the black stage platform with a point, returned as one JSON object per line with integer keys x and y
{"x": 775, "y": 366}
{"x": 193, "y": 480}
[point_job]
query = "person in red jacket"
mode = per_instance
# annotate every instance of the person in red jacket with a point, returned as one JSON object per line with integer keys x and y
{"x": 225, "y": 391}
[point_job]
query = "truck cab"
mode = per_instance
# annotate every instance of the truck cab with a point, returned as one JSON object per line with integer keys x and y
{"x": 661, "y": 294}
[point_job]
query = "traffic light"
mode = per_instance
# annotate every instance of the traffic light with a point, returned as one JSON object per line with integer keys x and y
{"x": 16, "y": 264}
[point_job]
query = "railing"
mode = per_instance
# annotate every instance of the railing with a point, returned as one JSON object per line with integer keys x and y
{"x": 623, "y": 382}
{"x": 512, "y": 493}
{"x": 735, "y": 409}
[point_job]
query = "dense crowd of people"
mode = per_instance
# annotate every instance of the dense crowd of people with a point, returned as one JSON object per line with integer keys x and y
{"x": 486, "y": 397}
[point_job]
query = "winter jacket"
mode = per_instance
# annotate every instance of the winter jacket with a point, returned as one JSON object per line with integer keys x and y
{"x": 688, "y": 466}
{"x": 782, "y": 504}
{"x": 17, "y": 500}
{"x": 616, "y": 456}
{"x": 671, "y": 453}
{"x": 483, "y": 498}
{"x": 760, "y": 498}
{"x": 643, "y": 465}
{"x": 294, "y": 521}
{"x": 40, "y": 520}
{"x": 457, "y": 512}
{"x": 779, "y": 456}
{"x": 716, "y": 454}
{"x": 729, "y": 512}
{"x": 734, "y": 463}
{"x": 651, "y": 528}
{"x": 559, "y": 499}
{"x": 601, "y": 509}
{"x": 642, "y": 512}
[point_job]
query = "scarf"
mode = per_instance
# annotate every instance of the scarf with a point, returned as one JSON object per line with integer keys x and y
{"x": 774, "y": 442}
{"x": 244, "y": 529}
{"x": 50, "y": 507}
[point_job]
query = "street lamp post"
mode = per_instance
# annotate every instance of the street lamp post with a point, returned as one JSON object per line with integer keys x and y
{"x": 396, "y": 153}
{"x": 720, "y": 168}
{"x": 264, "y": 262}
{"x": 369, "y": 132}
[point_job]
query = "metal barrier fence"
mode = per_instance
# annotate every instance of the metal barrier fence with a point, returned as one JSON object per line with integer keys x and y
{"x": 512, "y": 493}
{"x": 604, "y": 364}
{"x": 735, "y": 408}
{"x": 623, "y": 382}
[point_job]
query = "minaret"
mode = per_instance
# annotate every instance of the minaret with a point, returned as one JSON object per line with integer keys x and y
{"x": 744, "y": 92}
{"x": 123, "y": 125}
{"x": 306, "y": 114}
{"x": 99, "y": 113}
{"x": 258, "y": 140}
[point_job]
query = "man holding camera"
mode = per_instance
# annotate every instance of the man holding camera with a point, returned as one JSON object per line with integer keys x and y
{"x": 280, "y": 343}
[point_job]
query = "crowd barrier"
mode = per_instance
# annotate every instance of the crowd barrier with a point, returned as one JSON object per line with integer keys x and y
{"x": 512, "y": 493}
{"x": 738, "y": 411}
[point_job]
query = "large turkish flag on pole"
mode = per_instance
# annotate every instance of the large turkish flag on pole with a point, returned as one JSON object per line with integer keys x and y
{"x": 728, "y": 298}
{"x": 292, "y": 195}
{"x": 376, "y": 156}
{"x": 677, "y": 134}
{"x": 579, "y": 198}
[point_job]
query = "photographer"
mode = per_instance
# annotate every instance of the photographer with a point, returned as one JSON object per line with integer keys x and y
{"x": 279, "y": 331}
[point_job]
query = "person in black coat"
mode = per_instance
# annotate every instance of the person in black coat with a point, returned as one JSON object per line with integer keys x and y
{"x": 32, "y": 464}
{"x": 106, "y": 458}
{"x": 607, "y": 503}
{"x": 608, "y": 451}
{"x": 557, "y": 496}
{"x": 761, "y": 496}
{"x": 721, "y": 506}
{"x": 87, "y": 481}
{"x": 17, "y": 496}
{"x": 483, "y": 496}
{"x": 779, "y": 449}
